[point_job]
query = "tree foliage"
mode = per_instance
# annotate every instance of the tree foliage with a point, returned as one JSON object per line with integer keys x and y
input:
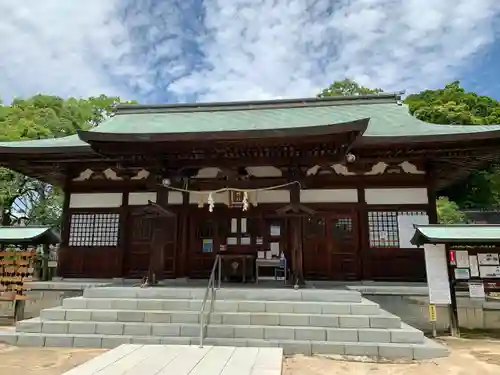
{"x": 42, "y": 116}
{"x": 347, "y": 87}
{"x": 450, "y": 105}
{"x": 454, "y": 106}
{"x": 448, "y": 212}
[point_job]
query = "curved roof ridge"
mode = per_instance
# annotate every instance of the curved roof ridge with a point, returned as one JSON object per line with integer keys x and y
{"x": 389, "y": 97}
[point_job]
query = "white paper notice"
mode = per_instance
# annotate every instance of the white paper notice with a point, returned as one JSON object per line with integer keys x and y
{"x": 275, "y": 230}
{"x": 462, "y": 258}
{"x": 489, "y": 259}
{"x": 474, "y": 267}
{"x": 243, "y": 225}
{"x": 232, "y": 241}
{"x": 261, "y": 254}
{"x": 269, "y": 255}
{"x": 246, "y": 240}
{"x": 462, "y": 274}
{"x": 437, "y": 274}
{"x": 476, "y": 290}
{"x": 234, "y": 225}
{"x": 489, "y": 272}
{"x": 275, "y": 248}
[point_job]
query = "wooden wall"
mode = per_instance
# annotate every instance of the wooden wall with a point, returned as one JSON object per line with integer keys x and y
{"x": 333, "y": 196}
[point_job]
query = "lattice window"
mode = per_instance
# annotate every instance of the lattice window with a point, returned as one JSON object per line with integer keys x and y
{"x": 315, "y": 227}
{"x": 383, "y": 228}
{"x": 89, "y": 229}
{"x": 342, "y": 229}
{"x": 344, "y": 224}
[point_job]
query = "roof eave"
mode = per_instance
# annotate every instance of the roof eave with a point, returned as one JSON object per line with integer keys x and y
{"x": 368, "y": 140}
{"x": 47, "y": 237}
{"x": 65, "y": 150}
{"x": 358, "y": 126}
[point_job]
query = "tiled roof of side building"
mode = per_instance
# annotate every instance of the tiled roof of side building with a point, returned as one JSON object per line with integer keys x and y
{"x": 28, "y": 235}
{"x": 456, "y": 233}
{"x": 389, "y": 119}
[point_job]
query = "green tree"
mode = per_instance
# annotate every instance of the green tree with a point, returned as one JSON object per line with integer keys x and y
{"x": 450, "y": 105}
{"x": 38, "y": 117}
{"x": 347, "y": 87}
{"x": 454, "y": 106}
{"x": 448, "y": 212}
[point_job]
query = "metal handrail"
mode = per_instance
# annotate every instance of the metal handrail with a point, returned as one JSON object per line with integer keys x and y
{"x": 210, "y": 287}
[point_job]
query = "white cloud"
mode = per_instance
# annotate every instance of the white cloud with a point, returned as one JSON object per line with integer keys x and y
{"x": 236, "y": 49}
{"x": 58, "y": 47}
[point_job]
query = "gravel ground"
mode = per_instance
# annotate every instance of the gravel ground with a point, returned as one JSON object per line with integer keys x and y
{"x": 468, "y": 357}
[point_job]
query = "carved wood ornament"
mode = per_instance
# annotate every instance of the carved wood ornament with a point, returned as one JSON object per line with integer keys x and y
{"x": 366, "y": 169}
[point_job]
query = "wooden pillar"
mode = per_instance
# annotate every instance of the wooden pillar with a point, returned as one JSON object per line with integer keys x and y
{"x": 123, "y": 237}
{"x": 431, "y": 179}
{"x": 63, "y": 252}
{"x": 363, "y": 236}
{"x": 296, "y": 228}
{"x": 183, "y": 252}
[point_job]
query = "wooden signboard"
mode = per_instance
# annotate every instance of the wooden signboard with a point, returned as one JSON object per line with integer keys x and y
{"x": 16, "y": 268}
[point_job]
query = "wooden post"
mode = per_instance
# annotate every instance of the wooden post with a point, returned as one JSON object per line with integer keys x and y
{"x": 297, "y": 261}
{"x": 19, "y": 306}
{"x": 453, "y": 310}
{"x": 45, "y": 262}
{"x": 431, "y": 194}
{"x": 296, "y": 228}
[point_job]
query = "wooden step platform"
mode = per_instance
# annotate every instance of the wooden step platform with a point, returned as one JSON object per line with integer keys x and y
{"x": 183, "y": 360}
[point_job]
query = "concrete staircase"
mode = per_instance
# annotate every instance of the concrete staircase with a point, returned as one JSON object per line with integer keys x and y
{"x": 305, "y": 321}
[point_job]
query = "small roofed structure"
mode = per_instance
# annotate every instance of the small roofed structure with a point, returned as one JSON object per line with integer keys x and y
{"x": 456, "y": 234}
{"x": 28, "y": 236}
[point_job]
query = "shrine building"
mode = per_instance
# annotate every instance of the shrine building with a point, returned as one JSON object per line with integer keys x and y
{"x": 334, "y": 185}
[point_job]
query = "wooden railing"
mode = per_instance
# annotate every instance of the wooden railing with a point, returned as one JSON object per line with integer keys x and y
{"x": 205, "y": 320}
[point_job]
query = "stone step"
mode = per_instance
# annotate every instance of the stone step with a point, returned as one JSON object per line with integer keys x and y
{"x": 426, "y": 350}
{"x": 404, "y": 333}
{"x": 364, "y": 307}
{"x": 253, "y": 294}
{"x": 383, "y": 320}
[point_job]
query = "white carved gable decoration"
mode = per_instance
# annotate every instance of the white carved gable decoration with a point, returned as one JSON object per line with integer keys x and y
{"x": 410, "y": 168}
{"x": 141, "y": 175}
{"x": 376, "y": 169}
{"x": 85, "y": 175}
{"x": 108, "y": 174}
{"x": 111, "y": 175}
{"x": 340, "y": 169}
{"x": 382, "y": 167}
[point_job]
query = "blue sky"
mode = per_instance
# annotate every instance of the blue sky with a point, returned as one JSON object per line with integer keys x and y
{"x": 205, "y": 50}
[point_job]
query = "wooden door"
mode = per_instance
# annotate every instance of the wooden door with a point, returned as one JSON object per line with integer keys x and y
{"x": 315, "y": 248}
{"x": 331, "y": 247}
{"x": 203, "y": 244}
{"x": 141, "y": 238}
{"x": 344, "y": 248}
{"x": 167, "y": 227}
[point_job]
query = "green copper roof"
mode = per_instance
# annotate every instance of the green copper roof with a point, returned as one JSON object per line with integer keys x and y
{"x": 470, "y": 233}
{"x": 387, "y": 117}
{"x": 69, "y": 141}
{"x": 28, "y": 235}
